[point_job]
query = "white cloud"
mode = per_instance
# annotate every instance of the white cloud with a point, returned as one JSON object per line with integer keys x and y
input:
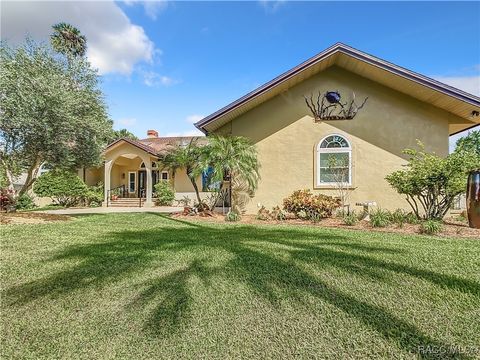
{"x": 151, "y": 78}
{"x": 470, "y": 84}
{"x": 115, "y": 45}
{"x": 186, "y": 133}
{"x": 271, "y": 6}
{"x": 128, "y": 122}
{"x": 192, "y": 119}
{"x": 151, "y": 7}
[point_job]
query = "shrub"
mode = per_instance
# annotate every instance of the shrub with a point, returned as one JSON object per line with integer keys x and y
{"x": 313, "y": 216}
{"x": 232, "y": 216}
{"x": 398, "y": 217}
{"x": 165, "y": 193}
{"x": 380, "y": 218}
{"x": 263, "y": 214}
{"x": 64, "y": 187}
{"x": 94, "y": 195}
{"x": 314, "y": 206}
{"x": 278, "y": 214}
{"x": 431, "y": 182}
{"x": 431, "y": 227}
{"x": 411, "y": 218}
{"x": 25, "y": 202}
{"x": 350, "y": 219}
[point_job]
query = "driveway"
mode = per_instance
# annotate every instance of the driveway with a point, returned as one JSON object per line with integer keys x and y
{"x": 107, "y": 210}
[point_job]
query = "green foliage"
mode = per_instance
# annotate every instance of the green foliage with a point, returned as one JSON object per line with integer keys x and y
{"x": 188, "y": 158}
{"x": 431, "y": 182}
{"x": 398, "y": 217}
{"x": 232, "y": 157}
{"x": 64, "y": 187}
{"x": 52, "y": 111}
{"x": 431, "y": 227}
{"x": 314, "y": 206}
{"x": 471, "y": 142}
{"x": 380, "y": 218}
{"x": 67, "y": 39}
{"x": 165, "y": 193}
{"x": 350, "y": 218}
{"x": 120, "y": 134}
{"x": 94, "y": 195}
{"x": 232, "y": 216}
{"x": 25, "y": 202}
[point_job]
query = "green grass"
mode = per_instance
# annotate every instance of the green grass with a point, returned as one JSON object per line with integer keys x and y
{"x": 147, "y": 286}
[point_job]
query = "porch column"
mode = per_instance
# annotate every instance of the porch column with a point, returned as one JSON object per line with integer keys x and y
{"x": 148, "y": 169}
{"x": 106, "y": 183}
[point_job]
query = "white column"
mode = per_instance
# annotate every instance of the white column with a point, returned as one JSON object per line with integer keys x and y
{"x": 148, "y": 168}
{"x": 106, "y": 183}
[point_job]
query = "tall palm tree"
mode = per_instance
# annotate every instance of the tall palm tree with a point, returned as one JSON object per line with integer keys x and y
{"x": 185, "y": 157}
{"x": 233, "y": 158}
{"x": 67, "y": 39}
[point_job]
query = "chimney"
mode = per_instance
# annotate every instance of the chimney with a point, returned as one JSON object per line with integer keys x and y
{"x": 152, "y": 134}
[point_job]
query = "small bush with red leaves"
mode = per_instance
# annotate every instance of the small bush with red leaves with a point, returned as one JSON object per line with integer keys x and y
{"x": 313, "y": 206}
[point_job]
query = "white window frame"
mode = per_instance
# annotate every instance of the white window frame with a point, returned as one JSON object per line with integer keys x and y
{"x": 135, "y": 182}
{"x": 321, "y": 150}
{"x": 161, "y": 176}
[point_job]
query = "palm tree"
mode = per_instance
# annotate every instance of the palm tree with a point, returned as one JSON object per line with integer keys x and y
{"x": 233, "y": 158}
{"x": 67, "y": 39}
{"x": 188, "y": 158}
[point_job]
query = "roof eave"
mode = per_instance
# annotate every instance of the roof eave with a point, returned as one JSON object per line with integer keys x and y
{"x": 352, "y": 52}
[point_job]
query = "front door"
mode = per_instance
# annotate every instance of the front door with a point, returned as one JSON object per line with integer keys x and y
{"x": 142, "y": 183}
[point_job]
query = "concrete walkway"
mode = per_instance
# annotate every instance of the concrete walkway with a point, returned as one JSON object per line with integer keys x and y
{"x": 108, "y": 210}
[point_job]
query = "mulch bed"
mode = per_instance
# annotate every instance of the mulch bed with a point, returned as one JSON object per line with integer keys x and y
{"x": 451, "y": 227}
{"x": 30, "y": 218}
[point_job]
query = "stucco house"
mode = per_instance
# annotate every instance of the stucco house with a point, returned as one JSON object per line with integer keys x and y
{"x": 293, "y": 144}
{"x": 402, "y": 107}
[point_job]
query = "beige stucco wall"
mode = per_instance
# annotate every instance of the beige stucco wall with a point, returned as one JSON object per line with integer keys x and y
{"x": 286, "y": 137}
{"x": 183, "y": 183}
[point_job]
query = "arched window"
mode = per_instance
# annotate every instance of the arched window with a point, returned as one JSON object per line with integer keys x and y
{"x": 334, "y": 161}
{"x": 154, "y": 165}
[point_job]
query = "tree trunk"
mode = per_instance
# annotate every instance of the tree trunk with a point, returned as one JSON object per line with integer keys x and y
{"x": 10, "y": 187}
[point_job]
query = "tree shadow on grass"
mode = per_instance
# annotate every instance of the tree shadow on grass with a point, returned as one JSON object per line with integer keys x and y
{"x": 269, "y": 275}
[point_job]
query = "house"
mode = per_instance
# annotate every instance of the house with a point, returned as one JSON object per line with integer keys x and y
{"x": 293, "y": 145}
{"x": 132, "y": 167}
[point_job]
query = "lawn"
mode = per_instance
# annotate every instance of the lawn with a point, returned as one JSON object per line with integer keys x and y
{"x": 148, "y": 286}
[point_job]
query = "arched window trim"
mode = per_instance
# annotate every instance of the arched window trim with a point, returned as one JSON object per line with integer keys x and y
{"x": 323, "y": 150}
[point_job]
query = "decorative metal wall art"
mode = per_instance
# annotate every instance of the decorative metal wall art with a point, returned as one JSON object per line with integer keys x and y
{"x": 330, "y": 107}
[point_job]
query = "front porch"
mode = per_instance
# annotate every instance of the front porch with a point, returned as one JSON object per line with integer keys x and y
{"x": 131, "y": 171}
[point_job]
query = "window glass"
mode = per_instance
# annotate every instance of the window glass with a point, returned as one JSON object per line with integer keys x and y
{"x": 334, "y": 161}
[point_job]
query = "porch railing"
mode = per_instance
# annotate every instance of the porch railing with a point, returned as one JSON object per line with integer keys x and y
{"x": 142, "y": 194}
{"x": 120, "y": 189}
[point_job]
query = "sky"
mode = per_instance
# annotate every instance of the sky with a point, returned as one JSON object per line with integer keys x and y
{"x": 165, "y": 64}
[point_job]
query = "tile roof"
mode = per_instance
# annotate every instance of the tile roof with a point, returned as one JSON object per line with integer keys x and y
{"x": 158, "y": 145}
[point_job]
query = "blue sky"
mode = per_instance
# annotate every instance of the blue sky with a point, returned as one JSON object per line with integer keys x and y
{"x": 174, "y": 62}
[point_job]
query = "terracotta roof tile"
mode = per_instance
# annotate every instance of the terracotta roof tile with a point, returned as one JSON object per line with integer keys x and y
{"x": 161, "y": 144}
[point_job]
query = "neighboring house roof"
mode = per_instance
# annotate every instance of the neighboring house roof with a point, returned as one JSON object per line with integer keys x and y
{"x": 398, "y": 78}
{"x": 158, "y": 145}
